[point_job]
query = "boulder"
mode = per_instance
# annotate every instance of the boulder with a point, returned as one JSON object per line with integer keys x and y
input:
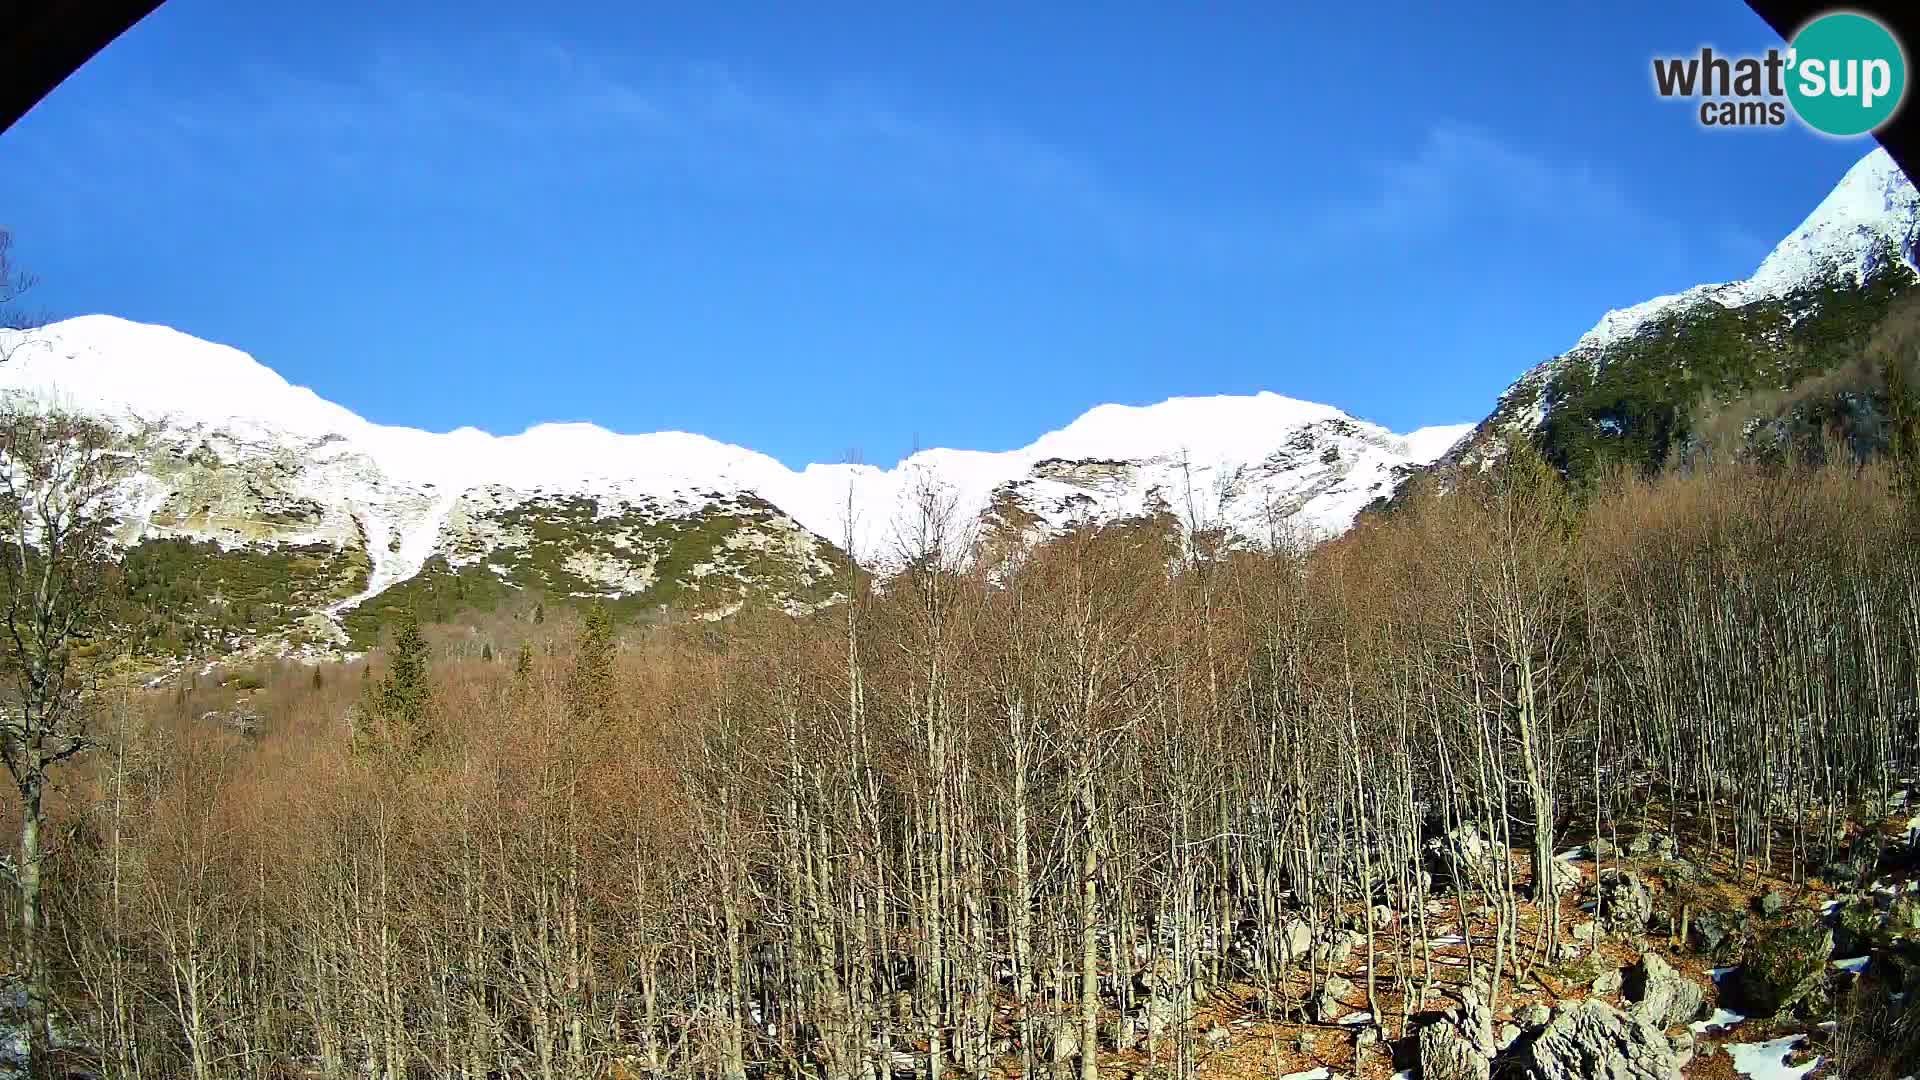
{"x": 1682, "y": 1042}
{"x": 1059, "y": 1039}
{"x": 1464, "y": 857}
{"x": 1856, "y": 928}
{"x": 1852, "y": 870}
{"x": 1160, "y": 1017}
{"x": 1566, "y": 877}
{"x": 1592, "y": 1040}
{"x": 240, "y": 720}
{"x": 1625, "y": 902}
{"x": 1325, "y": 1006}
{"x": 1783, "y": 966}
{"x": 1295, "y": 940}
{"x": 1662, "y": 996}
{"x": 1337, "y": 950}
{"x": 1709, "y": 932}
{"x": 1533, "y": 1016}
{"x": 1608, "y": 982}
{"x": 1461, "y": 1044}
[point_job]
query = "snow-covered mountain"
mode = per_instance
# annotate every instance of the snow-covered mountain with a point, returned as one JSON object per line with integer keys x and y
{"x": 1863, "y": 235}
{"x": 235, "y": 457}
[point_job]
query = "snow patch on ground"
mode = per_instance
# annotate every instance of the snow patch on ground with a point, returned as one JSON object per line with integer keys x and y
{"x": 1721, "y": 1018}
{"x": 1768, "y": 1060}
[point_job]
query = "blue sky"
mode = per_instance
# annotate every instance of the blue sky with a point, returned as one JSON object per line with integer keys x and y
{"x": 831, "y": 229}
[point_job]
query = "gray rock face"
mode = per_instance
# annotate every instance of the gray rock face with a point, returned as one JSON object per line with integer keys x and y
{"x": 1295, "y": 942}
{"x": 1608, "y": 982}
{"x": 1533, "y": 1016}
{"x": 1683, "y": 1046}
{"x": 1337, "y": 950}
{"x": 1662, "y": 996}
{"x": 1591, "y": 1040}
{"x": 1566, "y": 877}
{"x": 1626, "y": 904}
{"x": 1461, "y": 1044}
{"x": 1325, "y": 1005}
{"x": 1464, "y": 857}
{"x": 1160, "y": 1017}
{"x": 1059, "y": 1040}
{"x": 1709, "y": 929}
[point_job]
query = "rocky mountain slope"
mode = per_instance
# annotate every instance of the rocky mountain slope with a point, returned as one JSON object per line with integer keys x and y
{"x": 263, "y": 512}
{"x": 1628, "y": 388}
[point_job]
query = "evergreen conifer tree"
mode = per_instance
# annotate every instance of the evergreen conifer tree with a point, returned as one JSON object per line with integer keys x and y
{"x": 398, "y": 706}
{"x": 592, "y": 686}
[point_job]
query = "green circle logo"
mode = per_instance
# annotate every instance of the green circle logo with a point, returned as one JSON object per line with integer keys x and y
{"x": 1847, "y": 74}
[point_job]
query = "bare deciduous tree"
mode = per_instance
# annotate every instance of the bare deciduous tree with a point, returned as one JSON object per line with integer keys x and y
{"x": 58, "y": 473}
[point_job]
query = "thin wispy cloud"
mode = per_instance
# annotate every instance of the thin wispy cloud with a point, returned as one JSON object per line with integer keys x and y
{"x": 548, "y": 118}
{"x": 1458, "y": 171}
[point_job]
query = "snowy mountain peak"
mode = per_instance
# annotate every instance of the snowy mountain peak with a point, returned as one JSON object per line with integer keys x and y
{"x": 100, "y": 363}
{"x": 1873, "y": 208}
{"x": 234, "y": 454}
{"x": 1800, "y": 313}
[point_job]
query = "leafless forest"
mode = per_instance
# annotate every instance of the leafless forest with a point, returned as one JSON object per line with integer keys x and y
{"x": 980, "y": 820}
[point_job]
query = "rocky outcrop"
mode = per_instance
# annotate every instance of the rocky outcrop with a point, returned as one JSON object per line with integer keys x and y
{"x": 1566, "y": 877}
{"x": 1591, "y": 1040}
{"x": 1783, "y": 966}
{"x": 1325, "y": 1005}
{"x": 1625, "y": 902}
{"x": 1533, "y": 1016}
{"x": 1336, "y": 951}
{"x": 1464, "y": 857}
{"x": 1710, "y": 932}
{"x": 1461, "y": 1044}
{"x": 1662, "y": 996}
